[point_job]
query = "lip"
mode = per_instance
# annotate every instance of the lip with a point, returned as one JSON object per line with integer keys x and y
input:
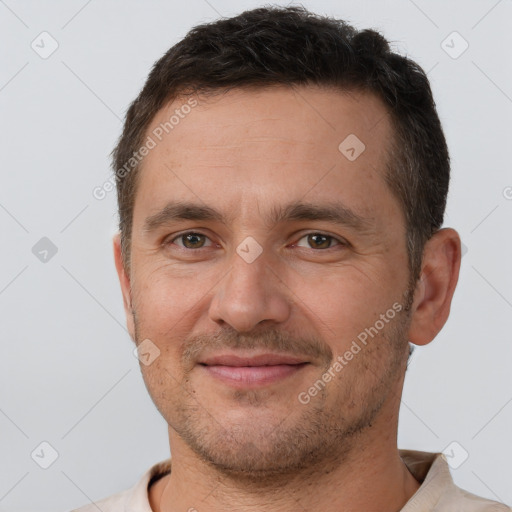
{"x": 252, "y": 371}
{"x": 268, "y": 359}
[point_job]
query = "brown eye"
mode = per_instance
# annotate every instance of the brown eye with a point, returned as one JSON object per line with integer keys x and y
{"x": 191, "y": 240}
{"x": 318, "y": 241}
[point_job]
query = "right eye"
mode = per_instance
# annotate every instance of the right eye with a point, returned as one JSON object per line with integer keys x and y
{"x": 190, "y": 240}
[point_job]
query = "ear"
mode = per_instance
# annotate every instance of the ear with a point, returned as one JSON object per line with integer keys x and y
{"x": 435, "y": 287}
{"x": 124, "y": 280}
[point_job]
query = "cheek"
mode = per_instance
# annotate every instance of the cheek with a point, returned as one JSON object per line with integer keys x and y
{"x": 167, "y": 309}
{"x": 345, "y": 303}
{"x": 164, "y": 384}
{"x": 167, "y": 295}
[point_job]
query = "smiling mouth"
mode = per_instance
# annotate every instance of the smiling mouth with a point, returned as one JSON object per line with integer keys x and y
{"x": 255, "y": 371}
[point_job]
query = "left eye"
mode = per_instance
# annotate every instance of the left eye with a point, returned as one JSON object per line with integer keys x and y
{"x": 319, "y": 241}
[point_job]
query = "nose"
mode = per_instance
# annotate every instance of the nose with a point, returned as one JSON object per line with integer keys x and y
{"x": 250, "y": 294}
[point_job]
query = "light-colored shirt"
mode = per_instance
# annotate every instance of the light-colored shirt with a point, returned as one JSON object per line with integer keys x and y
{"x": 437, "y": 492}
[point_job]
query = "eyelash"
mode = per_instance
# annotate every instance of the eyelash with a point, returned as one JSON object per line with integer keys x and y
{"x": 332, "y": 238}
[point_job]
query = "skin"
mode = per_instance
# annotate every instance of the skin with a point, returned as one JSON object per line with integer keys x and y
{"x": 245, "y": 153}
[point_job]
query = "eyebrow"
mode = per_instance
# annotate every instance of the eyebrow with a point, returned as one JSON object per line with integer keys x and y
{"x": 336, "y": 213}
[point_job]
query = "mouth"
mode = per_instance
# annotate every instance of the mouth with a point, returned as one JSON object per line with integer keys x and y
{"x": 252, "y": 371}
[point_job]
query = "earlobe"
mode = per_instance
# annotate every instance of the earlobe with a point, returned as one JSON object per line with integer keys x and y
{"x": 436, "y": 286}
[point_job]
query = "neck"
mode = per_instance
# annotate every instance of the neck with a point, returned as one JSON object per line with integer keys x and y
{"x": 370, "y": 476}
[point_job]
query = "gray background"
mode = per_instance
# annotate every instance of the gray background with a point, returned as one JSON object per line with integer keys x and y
{"x": 67, "y": 372}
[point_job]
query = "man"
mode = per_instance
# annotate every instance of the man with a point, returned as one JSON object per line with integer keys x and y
{"x": 282, "y": 180}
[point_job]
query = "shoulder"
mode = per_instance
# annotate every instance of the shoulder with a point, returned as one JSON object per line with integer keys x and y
{"x": 135, "y": 499}
{"x": 438, "y": 491}
{"x": 456, "y": 499}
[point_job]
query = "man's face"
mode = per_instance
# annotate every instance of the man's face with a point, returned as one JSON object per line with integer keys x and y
{"x": 262, "y": 278}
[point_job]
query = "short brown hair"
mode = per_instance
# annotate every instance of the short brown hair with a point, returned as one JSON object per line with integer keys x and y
{"x": 291, "y": 46}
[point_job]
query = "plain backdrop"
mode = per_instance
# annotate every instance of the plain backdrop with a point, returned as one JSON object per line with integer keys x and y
{"x": 68, "y": 376}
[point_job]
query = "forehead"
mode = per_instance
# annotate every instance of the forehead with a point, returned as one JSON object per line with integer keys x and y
{"x": 249, "y": 148}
